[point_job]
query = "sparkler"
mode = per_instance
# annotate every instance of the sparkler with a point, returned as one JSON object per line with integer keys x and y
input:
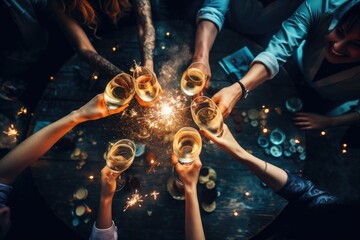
{"x": 22, "y": 110}
{"x": 12, "y": 132}
{"x": 154, "y": 194}
{"x": 136, "y": 198}
{"x": 166, "y": 113}
{"x": 136, "y": 68}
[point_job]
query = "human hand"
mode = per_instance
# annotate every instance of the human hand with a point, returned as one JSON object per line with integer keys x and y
{"x": 206, "y": 71}
{"x": 227, "y": 142}
{"x": 309, "y": 121}
{"x": 108, "y": 182}
{"x": 226, "y": 98}
{"x": 96, "y": 108}
{"x": 189, "y": 174}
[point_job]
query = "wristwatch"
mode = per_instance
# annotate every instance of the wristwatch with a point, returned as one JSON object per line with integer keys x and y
{"x": 245, "y": 91}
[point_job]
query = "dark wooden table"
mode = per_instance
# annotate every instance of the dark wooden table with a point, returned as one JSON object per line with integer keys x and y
{"x": 61, "y": 171}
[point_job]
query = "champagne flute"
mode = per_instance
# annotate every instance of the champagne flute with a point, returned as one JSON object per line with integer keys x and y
{"x": 119, "y": 91}
{"x": 147, "y": 87}
{"x": 193, "y": 79}
{"x": 187, "y": 146}
{"x": 207, "y": 115}
{"x": 119, "y": 156}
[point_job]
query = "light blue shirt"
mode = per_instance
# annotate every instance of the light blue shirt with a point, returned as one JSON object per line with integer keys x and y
{"x": 303, "y": 34}
{"x": 298, "y": 28}
{"x": 214, "y": 11}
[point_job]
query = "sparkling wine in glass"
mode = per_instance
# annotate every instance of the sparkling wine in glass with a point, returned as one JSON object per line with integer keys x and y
{"x": 147, "y": 87}
{"x": 193, "y": 79}
{"x": 119, "y": 156}
{"x": 187, "y": 146}
{"x": 119, "y": 91}
{"x": 207, "y": 115}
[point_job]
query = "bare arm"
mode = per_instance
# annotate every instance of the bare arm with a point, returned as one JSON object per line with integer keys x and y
{"x": 189, "y": 176}
{"x": 146, "y": 32}
{"x": 206, "y": 33}
{"x": 108, "y": 187}
{"x": 273, "y": 176}
{"x": 32, "y": 148}
{"x": 80, "y": 41}
{"x": 227, "y": 97}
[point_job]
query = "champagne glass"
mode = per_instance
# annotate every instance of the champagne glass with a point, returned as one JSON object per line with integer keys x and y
{"x": 207, "y": 115}
{"x": 119, "y": 156}
{"x": 119, "y": 91}
{"x": 147, "y": 87}
{"x": 187, "y": 146}
{"x": 193, "y": 79}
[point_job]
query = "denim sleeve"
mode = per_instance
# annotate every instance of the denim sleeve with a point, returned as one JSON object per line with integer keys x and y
{"x": 108, "y": 233}
{"x": 303, "y": 192}
{"x": 214, "y": 11}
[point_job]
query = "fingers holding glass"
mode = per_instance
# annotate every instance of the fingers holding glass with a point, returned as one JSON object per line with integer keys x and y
{"x": 193, "y": 79}
{"x": 119, "y": 157}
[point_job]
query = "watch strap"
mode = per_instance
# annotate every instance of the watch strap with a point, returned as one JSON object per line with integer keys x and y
{"x": 244, "y": 91}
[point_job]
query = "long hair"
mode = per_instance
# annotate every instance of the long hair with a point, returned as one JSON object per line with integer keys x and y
{"x": 85, "y": 12}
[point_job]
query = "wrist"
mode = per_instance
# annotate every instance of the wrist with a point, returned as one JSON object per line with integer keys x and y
{"x": 190, "y": 189}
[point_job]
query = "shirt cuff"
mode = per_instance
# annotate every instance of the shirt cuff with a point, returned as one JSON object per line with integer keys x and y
{"x": 107, "y": 233}
{"x": 4, "y": 193}
{"x": 270, "y": 62}
{"x": 211, "y": 14}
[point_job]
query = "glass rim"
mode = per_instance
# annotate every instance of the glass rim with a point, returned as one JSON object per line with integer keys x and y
{"x": 192, "y": 79}
{"x": 188, "y": 128}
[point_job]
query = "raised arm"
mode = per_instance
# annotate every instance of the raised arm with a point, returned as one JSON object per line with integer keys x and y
{"x": 281, "y": 47}
{"x": 189, "y": 175}
{"x": 146, "y": 32}
{"x": 80, "y": 41}
{"x": 272, "y": 175}
{"x": 210, "y": 20}
{"x": 32, "y": 148}
{"x": 104, "y": 227}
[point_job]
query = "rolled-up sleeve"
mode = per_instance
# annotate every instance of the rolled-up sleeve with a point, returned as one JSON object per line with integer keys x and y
{"x": 214, "y": 11}
{"x": 104, "y": 234}
{"x": 293, "y": 31}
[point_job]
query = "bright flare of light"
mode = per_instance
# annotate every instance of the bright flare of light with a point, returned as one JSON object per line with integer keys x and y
{"x": 154, "y": 194}
{"x": 12, "y": 132}
{"x": 22, "y": 110}
{"x": 135, "y": 199}
{"x": 136, "y": 69}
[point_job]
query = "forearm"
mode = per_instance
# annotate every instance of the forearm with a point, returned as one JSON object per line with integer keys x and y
{"x": 146, "y": 32}
{"x": 347, "y": 119}
{"x": 273, "y": 176}
{"x": 32, "y": 148}
{"x": 256, "y": 75}
{"x": 193, "y": 225}
{"x": 103, "y": 65}
{"x": 104, "y": 217}
{"x": 206, "y": 33}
